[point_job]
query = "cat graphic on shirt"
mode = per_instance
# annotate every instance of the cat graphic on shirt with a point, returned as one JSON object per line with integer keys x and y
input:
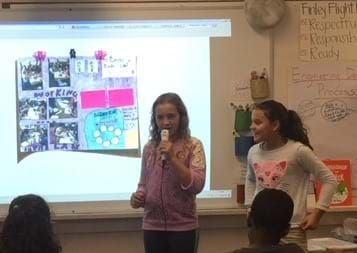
{"x": 270, "y": 173}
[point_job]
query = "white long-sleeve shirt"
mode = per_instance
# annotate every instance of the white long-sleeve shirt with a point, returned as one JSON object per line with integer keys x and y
{"x": 288, "y": 168}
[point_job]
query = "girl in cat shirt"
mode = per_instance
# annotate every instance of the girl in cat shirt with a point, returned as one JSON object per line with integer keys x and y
{"x": 172, "y": 173}
{"x": 283, "y": 158}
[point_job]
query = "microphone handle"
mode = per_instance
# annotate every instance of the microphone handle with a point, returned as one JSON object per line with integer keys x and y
{"x": 164, "y": 137}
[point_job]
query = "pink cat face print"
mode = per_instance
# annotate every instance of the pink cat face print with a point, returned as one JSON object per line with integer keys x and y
{"x": 270, "y": 173}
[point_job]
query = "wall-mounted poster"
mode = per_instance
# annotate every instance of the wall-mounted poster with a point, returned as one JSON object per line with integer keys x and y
{"x": 342, "y": 171}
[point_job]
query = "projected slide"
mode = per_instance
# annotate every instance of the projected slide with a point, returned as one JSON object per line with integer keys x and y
{"x": 75, "y": 121}
{"x": 77, "y": 103}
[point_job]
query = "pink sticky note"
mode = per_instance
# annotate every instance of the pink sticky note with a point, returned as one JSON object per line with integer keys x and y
{"x": 93, "y": 99}
{"x": 121, "y": 97}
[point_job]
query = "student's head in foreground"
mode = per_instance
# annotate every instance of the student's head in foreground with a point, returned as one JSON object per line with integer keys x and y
{"x": 27, "y": 227}
{"x": 269, "y": 217}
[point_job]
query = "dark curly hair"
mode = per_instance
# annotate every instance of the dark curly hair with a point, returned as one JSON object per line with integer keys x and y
{"x": 183, "y": 129}
{"x": 27, "y": 227}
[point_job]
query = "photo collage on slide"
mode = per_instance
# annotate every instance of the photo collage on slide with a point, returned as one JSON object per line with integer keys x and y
{"x": 76, "y": 103}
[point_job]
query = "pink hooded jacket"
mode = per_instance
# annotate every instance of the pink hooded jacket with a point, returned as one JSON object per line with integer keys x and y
{"x": 169, "y": 206}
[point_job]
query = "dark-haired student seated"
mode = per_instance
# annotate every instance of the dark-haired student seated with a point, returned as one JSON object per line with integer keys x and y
{"x": 28, "y": 228}
{"x": 268, "y": 221}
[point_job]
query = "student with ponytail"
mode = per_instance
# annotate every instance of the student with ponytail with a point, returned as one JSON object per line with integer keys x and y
{"x": 283, "y": 158}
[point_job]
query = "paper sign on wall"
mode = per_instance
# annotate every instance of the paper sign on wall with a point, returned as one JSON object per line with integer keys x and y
{"x": 342, "y": 171}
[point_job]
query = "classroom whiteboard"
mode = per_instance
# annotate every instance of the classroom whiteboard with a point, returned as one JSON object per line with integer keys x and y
{"x": 232, "y": 60}
{"x": 325, "y": 96}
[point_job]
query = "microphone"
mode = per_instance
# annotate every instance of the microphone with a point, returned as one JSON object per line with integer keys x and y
{"x": 164, "y": 137}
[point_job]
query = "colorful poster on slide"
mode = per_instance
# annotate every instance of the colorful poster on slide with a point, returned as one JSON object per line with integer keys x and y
{"x": 77, "y": 104}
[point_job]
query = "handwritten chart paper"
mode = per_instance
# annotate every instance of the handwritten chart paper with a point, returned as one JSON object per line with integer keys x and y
{"x": 325, "y": 96}
{"x": 328, "y": 31}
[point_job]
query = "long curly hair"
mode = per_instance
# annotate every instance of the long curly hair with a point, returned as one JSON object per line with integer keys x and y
{"x": 27, "y": 227}
{"x": 183, "y": 129}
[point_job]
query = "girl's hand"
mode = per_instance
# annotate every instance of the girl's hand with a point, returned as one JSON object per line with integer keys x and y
{"x": 311, "y": 220}
{"x": 137, "y": 199}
